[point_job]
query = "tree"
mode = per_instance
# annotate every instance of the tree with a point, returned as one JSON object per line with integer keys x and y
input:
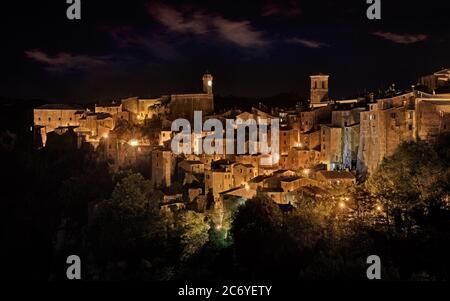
{"x": 78, "y": 191}
{"x": 193, "y": 232}
{"x": 126, "y": 130}
{"x": 262, "y": 246}
{"x": 410, "y": 182}
{"x": 130, "y": 223}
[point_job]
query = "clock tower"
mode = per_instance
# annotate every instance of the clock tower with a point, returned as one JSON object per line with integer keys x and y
{"x": 208, "y": 83}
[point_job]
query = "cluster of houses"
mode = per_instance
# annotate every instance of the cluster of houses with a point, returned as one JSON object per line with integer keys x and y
{"x": 325, "y": 144}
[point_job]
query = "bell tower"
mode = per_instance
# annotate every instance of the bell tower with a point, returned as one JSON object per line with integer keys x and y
{"x": 208, "y": 83}
{"x": 319, "y": 89}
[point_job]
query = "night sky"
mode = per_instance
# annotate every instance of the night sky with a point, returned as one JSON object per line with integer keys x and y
{"x": 253, "y": 48}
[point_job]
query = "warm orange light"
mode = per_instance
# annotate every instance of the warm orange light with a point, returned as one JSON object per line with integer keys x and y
{"x": 341, "y": 205}
{"x": 133, "y": 142}
{"x": 379, "y": 208}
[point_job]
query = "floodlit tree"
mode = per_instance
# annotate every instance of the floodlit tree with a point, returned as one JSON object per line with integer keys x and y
{"x": 193, "y": 232}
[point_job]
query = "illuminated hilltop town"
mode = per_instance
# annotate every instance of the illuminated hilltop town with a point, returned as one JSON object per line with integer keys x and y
{"x": 327, "y": 143}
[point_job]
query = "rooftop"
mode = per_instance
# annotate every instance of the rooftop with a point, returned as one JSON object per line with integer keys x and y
{"x": 258, "y": 179}
{"x": 290, "y": 179}
{"x": 332, "y": 175}
{"x": 59, "y": 106}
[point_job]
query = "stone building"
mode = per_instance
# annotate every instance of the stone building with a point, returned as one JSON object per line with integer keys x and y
{"x": 95, "y": 125}
{"x": 163, "y": 163}
{"x": 436, "y": 80}
{"x": 310, "y": 139}
{"x": 432, "y": 118}
{"x": 350, "y": 146}
{"x": 114, "y": 109}
{"x": 218, "y": 180}
{"x": 184, "y": 105}
{"x": 242, "y": 173}
{"x": 343, "y": 116}
{"x": 319, "y": 90}
{"x": 289, "y": 138}
{"x": 164, "y": 136}
{"x": 47, "y": 118}
{"x": 334, "y": 178}
{"x": 110, "y": 108}
{"x": 191, "y": 171}
{"x": 140, "y": 109}
{"x": 192, "y": 166}
{"x": 405, "y": 117}
{"x": 300, "y": 158}
{"x": 388, "y": 122}
{"x": 310, "y": 120}
{"x": 331, "y": 146}
{"x": 121, "y": 153}
{"x": 254, "y": 160}
{"x": 347, "y": 117}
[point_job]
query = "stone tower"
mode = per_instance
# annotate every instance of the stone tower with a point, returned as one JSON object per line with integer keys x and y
{"x": 319, "y": 89}
{"x": 208, "y": 83}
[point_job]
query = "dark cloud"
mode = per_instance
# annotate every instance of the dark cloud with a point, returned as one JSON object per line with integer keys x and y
{"x": 288, "y": 9}
{"x": 306, "y": 43}
{"x": 199, "y": 22}
{"x": 67, "y": 62}
{"x": 179, "y": 21}
{"x": 402, "y": 38}
{"x": 155, "y": 43}
{"x": 240, "y": 33}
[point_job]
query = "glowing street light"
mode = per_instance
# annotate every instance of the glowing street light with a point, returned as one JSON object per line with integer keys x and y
{"x": 133, "y": 142}
{"x": 342, "y": 205}
{"x": 379, "y": 208}
{"x": 306, "y": 171}
{"x": 105, "y": 136}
